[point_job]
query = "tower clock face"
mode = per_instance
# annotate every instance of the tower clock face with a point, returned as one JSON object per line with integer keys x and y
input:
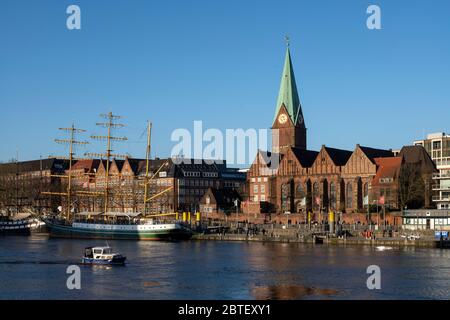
{"x": 282, "y": 118}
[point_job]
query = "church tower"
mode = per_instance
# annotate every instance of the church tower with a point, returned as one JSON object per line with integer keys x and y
{"x": 288, "y": 128}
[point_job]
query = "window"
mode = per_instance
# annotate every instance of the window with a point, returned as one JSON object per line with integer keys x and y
{"x": 255, "y": 188}
{"x": 253, "y": 179}
{"x": 349, "y": 203}
{"x": 263, "y": 189}
{"x": 263, "y": 198}
{"x": 259, "y": 179}
{"x": 332, "y": 195}
{"x": 386, "y": 180}
{"x": 436, "y": 145}
{"x": 316, "y": 196}
{"x": 265, "y": 179}
{"x": 255, "y": 198}
{"x": 300, "y": 191}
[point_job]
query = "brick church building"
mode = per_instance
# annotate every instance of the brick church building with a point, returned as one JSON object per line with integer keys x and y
{"x": 344, "y": 181}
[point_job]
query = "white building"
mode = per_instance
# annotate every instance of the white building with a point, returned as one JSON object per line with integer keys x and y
{"x": 438, "y": 147}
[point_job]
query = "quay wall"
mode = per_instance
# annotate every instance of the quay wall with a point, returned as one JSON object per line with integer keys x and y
{"x": 394, "y": 242}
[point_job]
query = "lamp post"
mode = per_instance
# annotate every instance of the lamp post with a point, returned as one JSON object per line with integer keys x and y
{"x": 378, "y": 215}
{"x": 369, "y": 220}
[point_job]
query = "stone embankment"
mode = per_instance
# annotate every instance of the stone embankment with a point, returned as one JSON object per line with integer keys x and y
{"x": 352, "y": 237}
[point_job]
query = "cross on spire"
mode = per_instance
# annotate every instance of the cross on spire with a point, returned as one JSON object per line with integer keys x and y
{"x": 286, "y": 38}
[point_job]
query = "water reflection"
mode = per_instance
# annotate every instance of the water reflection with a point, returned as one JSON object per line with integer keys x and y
{"x": 289, "y": 292}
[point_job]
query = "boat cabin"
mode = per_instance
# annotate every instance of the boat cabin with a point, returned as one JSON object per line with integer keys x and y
{"x": 98, "y": 252}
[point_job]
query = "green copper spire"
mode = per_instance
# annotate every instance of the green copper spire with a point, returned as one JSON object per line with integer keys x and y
{"x": 288, "y": 94}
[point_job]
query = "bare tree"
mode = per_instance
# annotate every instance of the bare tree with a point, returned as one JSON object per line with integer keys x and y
{"x": 411, "y": 186}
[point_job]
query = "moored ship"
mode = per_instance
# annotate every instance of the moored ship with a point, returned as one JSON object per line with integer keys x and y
{"x": 20, "y": 223}
{"x": 137, "y": 228}
{"x": 106, "y": 224}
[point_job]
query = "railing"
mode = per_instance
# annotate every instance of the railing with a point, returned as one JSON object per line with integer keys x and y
{"x": 439, "y": 187}
{"x": 439, "y": 198}
{"x": 442, "y": 161}
{"x": 441, "y": 175}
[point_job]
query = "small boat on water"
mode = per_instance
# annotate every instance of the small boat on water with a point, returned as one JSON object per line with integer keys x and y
{"x": 103, "y": 256}
{"x": 383, "y": 248}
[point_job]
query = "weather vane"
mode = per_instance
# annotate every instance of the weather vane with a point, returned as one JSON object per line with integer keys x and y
{"x": 286, "y": 38}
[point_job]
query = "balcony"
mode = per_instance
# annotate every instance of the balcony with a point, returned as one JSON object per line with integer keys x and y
{"x": 441, "y": 198}
{"x": 441, "y": 175}
{"x": 438, "y": 187}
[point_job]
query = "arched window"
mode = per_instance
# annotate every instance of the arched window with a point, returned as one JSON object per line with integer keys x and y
{"x": 366, "y": 194}
{"x": 300, "y": 191}
{"x": 332, "y": 196}
{"x": 316, "y": 196}
{"x": 349, "y": 203}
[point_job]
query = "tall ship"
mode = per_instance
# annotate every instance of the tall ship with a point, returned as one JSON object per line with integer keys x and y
{"x": 107, "y": 223}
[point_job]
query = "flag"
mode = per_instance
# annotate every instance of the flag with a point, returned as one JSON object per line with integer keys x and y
{"x": 381, "y": 201}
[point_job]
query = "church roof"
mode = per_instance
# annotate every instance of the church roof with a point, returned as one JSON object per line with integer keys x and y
{"x": 373, "y": 153}
{"x": 288, "y": 94}
{"x": 339, "y": 157}
{"x": 305, "y": 157}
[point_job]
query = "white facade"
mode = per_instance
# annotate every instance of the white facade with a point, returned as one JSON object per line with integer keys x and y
{"x": 438, "y": 147}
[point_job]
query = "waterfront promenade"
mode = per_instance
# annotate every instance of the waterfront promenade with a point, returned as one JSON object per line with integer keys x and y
{"x": 347, "y": 235}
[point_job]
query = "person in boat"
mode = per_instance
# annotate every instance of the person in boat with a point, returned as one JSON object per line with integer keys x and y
{"x": 88, "y": 253}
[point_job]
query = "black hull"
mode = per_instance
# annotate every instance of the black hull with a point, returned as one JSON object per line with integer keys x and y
{"x": 21, "y": 232}
{"x": 19, "y": 227}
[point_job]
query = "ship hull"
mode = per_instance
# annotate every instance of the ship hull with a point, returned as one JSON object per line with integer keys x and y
{"x": 20, "y": 227}
{"x": 113, "y": 232}
{"x": 113, "y": 262}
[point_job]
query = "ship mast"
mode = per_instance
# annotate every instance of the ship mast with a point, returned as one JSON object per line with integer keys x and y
{"x": 17, "y": 181}
{"x": 148, "y": 179}
{"x": 147, "y": 158}
{"x": 110, "y": 117}
{"x": 71, "y": 142}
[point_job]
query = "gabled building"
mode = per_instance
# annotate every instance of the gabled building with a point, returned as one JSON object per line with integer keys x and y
{"x": 261, "y": 178}
{"x": 218, "y": 202}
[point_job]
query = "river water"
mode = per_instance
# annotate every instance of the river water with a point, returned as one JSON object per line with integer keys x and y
{"x": 34, "y": 267}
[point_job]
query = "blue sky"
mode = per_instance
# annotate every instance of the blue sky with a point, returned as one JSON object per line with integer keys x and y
{"x": 173, "y": 62}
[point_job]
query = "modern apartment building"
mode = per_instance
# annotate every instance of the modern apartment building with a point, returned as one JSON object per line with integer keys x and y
{"x": 438, "y": 147}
